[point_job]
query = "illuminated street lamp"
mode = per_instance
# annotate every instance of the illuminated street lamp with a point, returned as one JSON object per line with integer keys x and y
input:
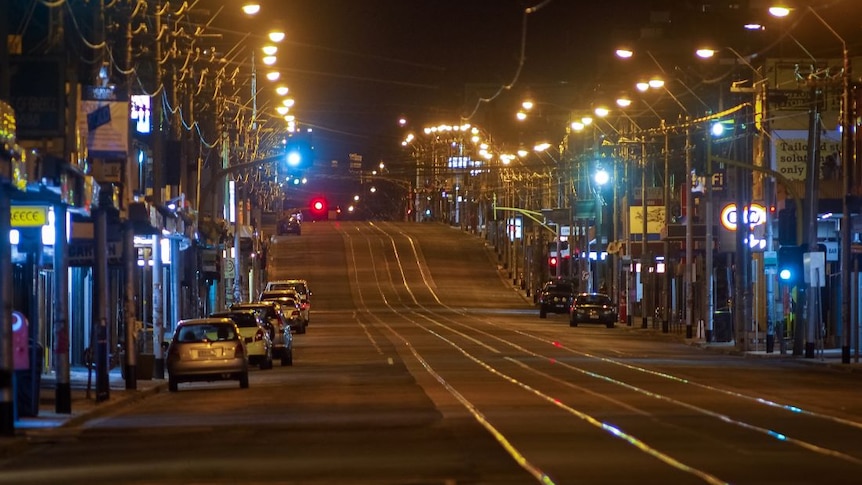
{"x": 251, "y": 8}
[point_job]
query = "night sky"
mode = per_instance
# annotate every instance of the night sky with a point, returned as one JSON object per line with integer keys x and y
{"x": 354, "y": 67}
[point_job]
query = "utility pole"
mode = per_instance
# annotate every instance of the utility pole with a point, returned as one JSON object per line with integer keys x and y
{"x": 645, "y": 229}
{"x": 158, "y": 183}
{"x": 666, "y": 280}
{"x": 63, "y": 388}
{"x": 812, "y": 188}
{"x": 129, "y": 254}
{"x": 709, "y": 243}
{"x": 7, "y": 404}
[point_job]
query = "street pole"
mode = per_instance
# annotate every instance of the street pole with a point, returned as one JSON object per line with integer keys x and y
{"x": 812, "y": 194}
{"x": 644, "y": 246}
{"x": 7, "y": 405}
{"x": 708, "y": 244}
{"x": 849, "y": 173}
{"x": 100, "y": 309}
{"x": 130, "y": 263}
{"x": 63, "y": 388}
{"x": 158, "y": 310}
{"x": 666, "y": 280}
{"x": 237, "y": 258}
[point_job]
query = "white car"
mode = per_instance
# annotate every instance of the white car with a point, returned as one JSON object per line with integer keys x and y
{"x": 293, "y": 302}
{"x": 207, "y": 349}
{"x": 300, "y": 287}
{"x": 257, "y": 335}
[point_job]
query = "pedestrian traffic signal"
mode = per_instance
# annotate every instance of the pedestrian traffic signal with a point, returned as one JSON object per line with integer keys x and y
{"x": 790, "y": 266}
{"x": 787, "y": 226}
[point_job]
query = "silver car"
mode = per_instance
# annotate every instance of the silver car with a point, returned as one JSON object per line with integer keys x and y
{"x": 207, "y": 349}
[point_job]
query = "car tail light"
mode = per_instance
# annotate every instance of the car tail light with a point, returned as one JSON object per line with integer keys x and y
{"x": 258, "y": 335}
{"x": 173, "y": 352}
{"x": 238, "y": 351}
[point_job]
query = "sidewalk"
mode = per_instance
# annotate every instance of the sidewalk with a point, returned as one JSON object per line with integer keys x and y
{"x": 83, "y": 407}
{"x": 827, "y": 357}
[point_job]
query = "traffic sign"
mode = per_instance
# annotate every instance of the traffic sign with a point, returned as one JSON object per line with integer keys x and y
{"x": 229, "y": 269}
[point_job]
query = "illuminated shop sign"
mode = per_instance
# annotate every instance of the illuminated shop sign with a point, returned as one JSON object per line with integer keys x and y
{"x": 755, "y": 217}
{"x": 29, "y": 216}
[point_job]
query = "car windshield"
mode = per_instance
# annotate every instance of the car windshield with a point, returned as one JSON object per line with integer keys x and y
{"x": 243, "y": 320}
{"x": 297, "y": 287}
{"x": 276, "y": 294}
{"x": 559, "y": 288}
{"x": 206, "y": 333}
{"x": 593, "y": 300}
{"x": 265, "y": 311}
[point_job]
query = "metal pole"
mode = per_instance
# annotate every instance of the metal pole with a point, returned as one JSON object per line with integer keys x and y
{"x": 237, "y": 259}
{"x": 131, "y": 348}
{"x": 708, "y": 245}
{"x": 63, "y": 388}
{"x": 849, "y": 172}
{"x": 812, "y": 189}
{"x": 7, "y": 406}
{"x": 100, "y": 320}
{"x": 158, "y": 310}
{"x": 769, "y": 196}
{"x": 666, "y": 280}
{"x": 644, "y": 248}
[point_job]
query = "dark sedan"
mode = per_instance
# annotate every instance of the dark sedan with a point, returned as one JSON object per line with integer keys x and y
{"x": 555, "y": 297}
{"x": 289, "y": 225}
{"x": 593, "y": 308}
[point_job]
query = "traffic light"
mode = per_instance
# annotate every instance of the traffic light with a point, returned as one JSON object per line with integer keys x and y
{"x": 318, "y": 208}
{"x": 299, "y": 153}
{"x": 787, "y": 226}
{"x": 790, "y": 268}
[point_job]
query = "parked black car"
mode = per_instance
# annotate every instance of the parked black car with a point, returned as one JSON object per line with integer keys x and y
{"x": 593, "y": 308}
{"x": 555, "y": 297}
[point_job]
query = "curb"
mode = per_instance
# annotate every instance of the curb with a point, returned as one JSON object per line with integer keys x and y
{"x": 129, "y": 397}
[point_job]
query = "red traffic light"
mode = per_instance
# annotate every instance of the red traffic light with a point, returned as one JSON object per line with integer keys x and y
{"x": 318, "y": 207}
{"x": 552, "y": 261}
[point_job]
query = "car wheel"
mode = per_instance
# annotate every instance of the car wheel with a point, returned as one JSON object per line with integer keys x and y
{"x": 301, "y": 329}
{"x": 266, "y": 363}
{"x": 173, "y": 385}
{"x": 610, "y": 325}
{"x": 543, "y": 313}
{"x": 287, "y": 358}
{"x": 243, "y": 380}
{"x": 573, "y": 323}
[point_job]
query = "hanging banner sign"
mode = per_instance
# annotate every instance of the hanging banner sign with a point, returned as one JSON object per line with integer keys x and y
{"x": 104, "y": 116}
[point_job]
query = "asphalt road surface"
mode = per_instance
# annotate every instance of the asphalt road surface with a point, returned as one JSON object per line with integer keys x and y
{"x": 422, "y": 366}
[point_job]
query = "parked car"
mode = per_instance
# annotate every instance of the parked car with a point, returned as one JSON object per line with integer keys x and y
{"x": 593, "y": 308}
{"x": 301, "y": 304}
{"x": 555, "y": 297}
{"x": 290, "y": 224}
{"x": 290, "y": 307}
{"x": 206, "y": 349}
{"x": 256, "y": 332}
{"x": 300, "y": 286}
{"x": 280, "y": 326}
